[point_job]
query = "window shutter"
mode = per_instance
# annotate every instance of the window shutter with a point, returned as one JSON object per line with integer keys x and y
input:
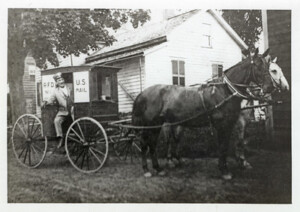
{"x": 174, "y": 67}
{"x": 214, "y": 70}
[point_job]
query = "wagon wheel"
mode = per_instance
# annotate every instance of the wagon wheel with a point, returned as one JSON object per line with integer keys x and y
{"x": 29, "y": 144}
{"x": 86, "y": 145}
{"x": 126, "y": 145}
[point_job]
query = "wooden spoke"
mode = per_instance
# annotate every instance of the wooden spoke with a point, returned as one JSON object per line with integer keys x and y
{"x": 22, "y": 152}
{"x": 136, "y": 146}
{"x": 87, "y": 160}
{"x": 33, "y": 153}
{"x": 37, "y": 147}
{"x": 29, "y": 156}
{"x": 23, "y": 123}
{"x": 98, "y": 151}
{"x": 80, "y": 131}
{"x": 21, "y": 129}
{"x": 74, "y": 139}
{"x": 35, "y": 130}
{"x": 25, "y": 154}
{"x": 34, "y": 149}
{"x": 78, "y": 156}
{"x": 77, "y": 134}
{"x": 83, "y": 157}
{"x": 95, "y": 156}
{"x": 32, "y": 126}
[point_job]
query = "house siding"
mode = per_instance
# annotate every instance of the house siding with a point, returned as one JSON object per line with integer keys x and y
{"x": 29, "y": 87}
{"x": 184, "y": 43}
{"x": 129, "y": 76}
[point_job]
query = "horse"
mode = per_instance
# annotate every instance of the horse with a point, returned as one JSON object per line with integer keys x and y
{"x": 281, "y": 85}
{"x": 172, "y": 135}
{"x": 217, "y": 105}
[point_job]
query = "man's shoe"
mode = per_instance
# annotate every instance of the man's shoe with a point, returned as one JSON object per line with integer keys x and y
{"x": 60, "y": 143}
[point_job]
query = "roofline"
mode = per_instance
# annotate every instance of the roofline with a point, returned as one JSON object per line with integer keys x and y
{"x": 228, "y": 29}
{"x": 151, "y": 42}
{"x": 71, "y": 69}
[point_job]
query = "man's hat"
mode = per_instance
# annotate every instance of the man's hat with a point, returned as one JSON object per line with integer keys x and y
{"x": 57, "y": 76}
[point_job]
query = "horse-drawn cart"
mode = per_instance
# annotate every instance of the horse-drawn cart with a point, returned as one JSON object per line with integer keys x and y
{"x": 88, "y": 134}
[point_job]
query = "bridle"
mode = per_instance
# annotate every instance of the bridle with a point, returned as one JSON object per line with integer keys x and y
{"x": 276, "y": 84}
{"x": 235, "y": 87}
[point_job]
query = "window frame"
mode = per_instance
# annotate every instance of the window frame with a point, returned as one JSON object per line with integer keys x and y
{"x": 180, "y": 72}
{"x": 219, "y": 72}
{"x": 206, "y": 37}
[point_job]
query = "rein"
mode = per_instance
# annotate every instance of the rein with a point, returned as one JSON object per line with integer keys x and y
{"x": 119, "y": 123}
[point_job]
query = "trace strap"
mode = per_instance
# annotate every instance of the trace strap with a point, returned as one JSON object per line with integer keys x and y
{"x": 119, "y": 123}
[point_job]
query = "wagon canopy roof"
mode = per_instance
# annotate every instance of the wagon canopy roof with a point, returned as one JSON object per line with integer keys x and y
{"x": 71, "y": 69}
{"x": 135, "y": 42}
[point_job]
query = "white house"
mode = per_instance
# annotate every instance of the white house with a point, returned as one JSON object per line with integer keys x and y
{"x": 186, "y": 49}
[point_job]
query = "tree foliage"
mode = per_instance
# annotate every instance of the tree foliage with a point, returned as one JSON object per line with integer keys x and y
{"x": 42, "y": 33}
{"x": 246, "y": 23}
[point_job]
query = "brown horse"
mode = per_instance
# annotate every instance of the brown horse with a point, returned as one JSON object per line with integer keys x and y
{"x": 217, "y": 105}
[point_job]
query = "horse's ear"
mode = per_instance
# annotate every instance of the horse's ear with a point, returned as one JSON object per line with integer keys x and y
{"x": 245, "y": 52}
{"x": 266, "y": 53}
{"x": 274, "y": 60}
{"x": 256, "y": 51}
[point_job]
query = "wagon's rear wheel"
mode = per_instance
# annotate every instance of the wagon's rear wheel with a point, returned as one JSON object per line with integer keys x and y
{"x": 29, "y": 144}
{"x": 86, "y": 145}
{"x": 126, "y": 145}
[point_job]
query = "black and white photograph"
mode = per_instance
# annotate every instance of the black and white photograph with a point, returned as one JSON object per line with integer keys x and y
{"x": 149, "y": 105}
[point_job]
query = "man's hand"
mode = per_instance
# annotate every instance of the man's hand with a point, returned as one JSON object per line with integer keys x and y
{"x": 44, "y": 103}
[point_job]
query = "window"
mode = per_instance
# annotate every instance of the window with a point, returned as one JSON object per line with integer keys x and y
{"x": 217, "y": 70}
{"x": 206, "y": 36}
{"x": 178, "y": 72}
{"x": 101, "y": 86}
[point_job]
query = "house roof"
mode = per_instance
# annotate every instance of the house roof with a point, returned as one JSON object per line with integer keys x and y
{"x": 138, "y": 40}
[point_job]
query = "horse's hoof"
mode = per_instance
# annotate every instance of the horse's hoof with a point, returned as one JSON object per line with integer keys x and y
{"x": 227, "y": 176}
{"x": 247, "y": 165}
{"x": 171, "y": 164}
{"x": 147, "y": 174}
{"x": 161, "y": 173}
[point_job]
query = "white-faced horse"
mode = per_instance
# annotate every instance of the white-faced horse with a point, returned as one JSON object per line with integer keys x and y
{"x": 281, "y": 84}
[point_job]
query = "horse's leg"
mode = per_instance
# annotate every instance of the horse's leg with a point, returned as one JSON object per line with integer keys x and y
{"x": 166, "y": 132}
{"x": 177, "y": 133}
{"x": 152, "y": 151}
{"x": 144, "y": 147}
{"x": 224, "y": 130}
{"x": 239, "y": 146}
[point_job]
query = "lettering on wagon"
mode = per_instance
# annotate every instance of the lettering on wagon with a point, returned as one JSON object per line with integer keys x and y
{"x": 81, "y": 86}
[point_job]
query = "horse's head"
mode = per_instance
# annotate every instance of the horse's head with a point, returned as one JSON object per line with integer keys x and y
{"x": 279, "y": 81}
{"x": 259, "y": 71}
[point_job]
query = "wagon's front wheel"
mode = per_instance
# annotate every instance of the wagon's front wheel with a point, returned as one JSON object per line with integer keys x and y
{"x": 29, "y": 144}
{"x": 126, "y": 145}
{"x": 86, "y": 145}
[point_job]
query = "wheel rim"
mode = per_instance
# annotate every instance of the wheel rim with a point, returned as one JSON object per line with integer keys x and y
{"x": 86, "y": 145}
{"x": 29, "y": 144}
{"x": 126, "y": 146}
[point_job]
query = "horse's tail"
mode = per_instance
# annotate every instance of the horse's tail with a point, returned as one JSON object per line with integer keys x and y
{"x": 139, "y": 108}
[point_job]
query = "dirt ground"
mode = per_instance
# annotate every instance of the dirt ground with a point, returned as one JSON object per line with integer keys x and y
{"x": 195, "y": 181}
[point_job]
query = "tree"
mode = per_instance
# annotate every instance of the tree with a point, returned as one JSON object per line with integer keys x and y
{"x": 42, "y": 33}
{"x": 246, "y": 23}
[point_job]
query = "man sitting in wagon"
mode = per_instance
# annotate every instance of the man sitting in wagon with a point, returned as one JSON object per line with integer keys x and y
{"x": 61, "y": 95}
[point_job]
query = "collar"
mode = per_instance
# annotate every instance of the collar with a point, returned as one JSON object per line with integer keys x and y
{"x": 233, "y": 89}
